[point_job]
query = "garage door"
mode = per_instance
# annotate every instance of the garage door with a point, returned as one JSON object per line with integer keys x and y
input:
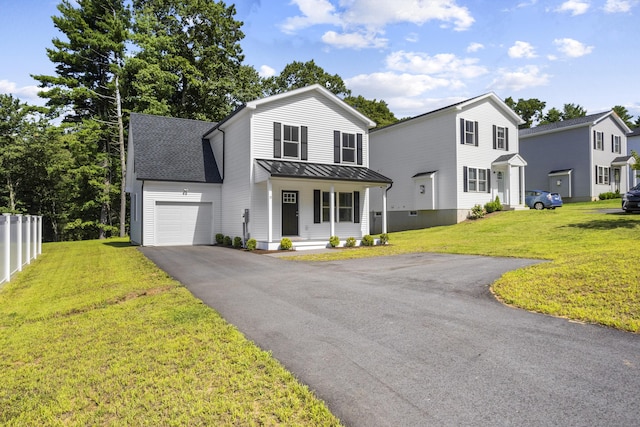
{"x": 183, "y": 223}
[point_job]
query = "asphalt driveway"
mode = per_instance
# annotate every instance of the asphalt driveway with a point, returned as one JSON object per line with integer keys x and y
{"x": 417, "y": 340}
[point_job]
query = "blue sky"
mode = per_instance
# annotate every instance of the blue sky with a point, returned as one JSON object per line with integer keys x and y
{"x": 415, "y": 55}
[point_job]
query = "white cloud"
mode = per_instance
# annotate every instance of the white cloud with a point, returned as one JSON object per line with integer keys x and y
{"x": 576, "y": 7}
{"x": 522, "y": 50}
{"x": 359, "y": 17}
{"x": 266, "y": 71}
{"x": 618, "y": 6}
{"x": 515, "y": 80}
{"x": 314, "y": 12}
{"x": 353, "y": 40}
{"x": 412, "y": 37}
{"x": 387, "y": 85}
{"x": 27, "y": 94}
{"x": 442, "y": 65}
{"x": 572, "y": 48}
{"x": 474, "y": 47}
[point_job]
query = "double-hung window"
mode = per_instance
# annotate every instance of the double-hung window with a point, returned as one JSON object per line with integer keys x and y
{"x": 599, "y": 141}
{"x": 602, "y": 175}
{"x": 291, "y": 141}
{"x": 348, "y": 147}
{"x": 469, "y": 132}
{"x": 616, "y": 144}
{"x": 476, "y": 180}
{"x": 343, "y": 205}
{"x": 501, "y": 138}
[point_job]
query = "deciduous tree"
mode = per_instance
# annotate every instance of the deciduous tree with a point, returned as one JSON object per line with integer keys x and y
{"x": 530, "y": 110}
{"x": 300, "y": 74}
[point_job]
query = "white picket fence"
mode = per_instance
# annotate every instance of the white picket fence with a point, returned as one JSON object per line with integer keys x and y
{"x": 20, "y": 242}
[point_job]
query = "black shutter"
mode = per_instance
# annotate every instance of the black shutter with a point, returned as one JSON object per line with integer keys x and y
{"x": 356, "y": 206}
{"x": 462, "y": 131}
{"x": 464, "y": 178}
{"x": 336, "y": 146}
{"x": 475, "y": 124}
{"x": 594, "y": 139}
{"x": 488, "y": 175}
{"x": 596, "y": 175}
{"x": 317, "y": 206}
{"x": 277, "y": 140}
{"x": 612, "y": 148}
{"x": 495, "y": 137}
{"x": 506, "y": 138}
{"x": 303, "y": 143}
{"x": 359, "y": 148}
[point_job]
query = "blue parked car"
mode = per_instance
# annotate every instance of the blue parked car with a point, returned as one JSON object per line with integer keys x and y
{"x": 540, "y": 199}
{"x": 631, "y": 199}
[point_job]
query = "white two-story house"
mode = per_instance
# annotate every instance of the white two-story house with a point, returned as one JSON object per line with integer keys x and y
{"x": 579, "y": 158}
{"x": 291, "y": 165}
{"x": 444, "y": 162}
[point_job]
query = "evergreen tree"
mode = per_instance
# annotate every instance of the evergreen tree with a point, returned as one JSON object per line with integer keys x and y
{"x": 552, "y": 116}
{"x": 572, "y": 111}
{"x": 189, "y": 60}
{"x": 86, "y": 87}
{"x": 623, "y": 113}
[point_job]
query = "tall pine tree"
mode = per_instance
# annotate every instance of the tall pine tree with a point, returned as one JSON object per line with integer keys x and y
{"x": 86, "y": 89}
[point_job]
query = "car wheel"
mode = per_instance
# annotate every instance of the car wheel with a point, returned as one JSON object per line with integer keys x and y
{"x": 538, "y": 206}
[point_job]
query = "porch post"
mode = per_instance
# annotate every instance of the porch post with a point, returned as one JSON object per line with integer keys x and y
{"x": 384, "y": 210}
{"x": 332, "y": 211}
{"x": 269, "y": 211}
{"x": 522, "y": 186}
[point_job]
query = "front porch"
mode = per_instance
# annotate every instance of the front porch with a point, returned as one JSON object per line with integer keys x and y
{"x": 301, "y": 244}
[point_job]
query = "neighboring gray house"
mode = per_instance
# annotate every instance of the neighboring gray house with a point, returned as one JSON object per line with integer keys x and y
{"x": 444, "y": 162}
{"x": 578, "y": 158}
{"x": 633, "y": 144}
{"x": 291, "y": 165}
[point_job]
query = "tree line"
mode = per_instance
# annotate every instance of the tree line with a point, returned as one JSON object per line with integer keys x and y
{"x": 166, "y": 57}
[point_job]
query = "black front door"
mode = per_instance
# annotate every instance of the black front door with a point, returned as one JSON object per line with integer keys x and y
{"x": 289, "y": 213}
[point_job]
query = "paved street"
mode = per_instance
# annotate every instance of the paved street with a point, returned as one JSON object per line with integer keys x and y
{"x": 417, "y": 340}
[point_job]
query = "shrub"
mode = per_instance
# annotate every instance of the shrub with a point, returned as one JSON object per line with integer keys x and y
{"x": 493, "y": 206}
{"x": 237, "y": 242}
{"x": 351, "y": 242}
{"x": 610, "y": 195}
{"x": 227, "y": 241}
{"x": 286, "y": 244}
{"x": 334, "y": 241}
{"x": 477, "y": 212}
{"x": 367, "y": 240}
{"x": 251, "y": 244}
{"x": 384, "y": 239}
{"x": 219, "y": 238}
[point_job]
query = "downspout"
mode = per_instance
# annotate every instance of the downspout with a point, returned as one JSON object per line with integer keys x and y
{"x": 385, "y": 225}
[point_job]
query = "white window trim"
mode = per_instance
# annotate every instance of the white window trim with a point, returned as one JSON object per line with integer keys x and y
{"x": 338, "y": 207}
{"x": 343, "y": 147}
{"x": 501, "y": 142}
{"x": 603, "y": 175}
{"x": 286, "y": 141}
{"x": 600, "y": 141}
{"x": 477, "y": 181}
{"x": 473, "y": 133}
{"x": 617, "y": 144}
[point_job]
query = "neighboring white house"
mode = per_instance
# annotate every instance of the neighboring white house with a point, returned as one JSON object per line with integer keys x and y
{"x": 290, "y": 165}
{"x": 444, "y": 162}
{"x": 578, "y": 158}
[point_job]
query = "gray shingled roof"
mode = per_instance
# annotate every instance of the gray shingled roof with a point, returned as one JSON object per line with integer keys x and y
{"x": 563, "y": 124}
{"x": 321, "y": 171}
{"x": 635, "y": 132}
{"x": 171, "y": 149}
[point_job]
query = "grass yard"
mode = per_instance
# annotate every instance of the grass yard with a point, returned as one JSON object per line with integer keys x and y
{"x": 94, "y": 334}
{"x": 594, "y": 273}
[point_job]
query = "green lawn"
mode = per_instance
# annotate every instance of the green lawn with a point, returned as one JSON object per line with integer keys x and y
{"x": 594, "y": 273}
{"x": 94, "y": 334}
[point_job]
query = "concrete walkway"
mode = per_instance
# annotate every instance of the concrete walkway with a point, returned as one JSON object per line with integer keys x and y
{"x": 417, "y": 340}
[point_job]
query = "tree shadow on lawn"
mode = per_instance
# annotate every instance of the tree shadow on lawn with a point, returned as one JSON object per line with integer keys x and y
{"x": 608, "y": 224}
{"x": 118, "y": 244}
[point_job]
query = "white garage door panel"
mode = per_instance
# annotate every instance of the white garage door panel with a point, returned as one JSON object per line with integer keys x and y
{"x": 183, "y": 223}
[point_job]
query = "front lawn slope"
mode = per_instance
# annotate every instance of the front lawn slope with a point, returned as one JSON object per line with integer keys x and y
{"x": 94, "y": 334}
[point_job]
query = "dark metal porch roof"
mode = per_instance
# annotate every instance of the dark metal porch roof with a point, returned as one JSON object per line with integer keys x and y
{"x": 288, "y": 169}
